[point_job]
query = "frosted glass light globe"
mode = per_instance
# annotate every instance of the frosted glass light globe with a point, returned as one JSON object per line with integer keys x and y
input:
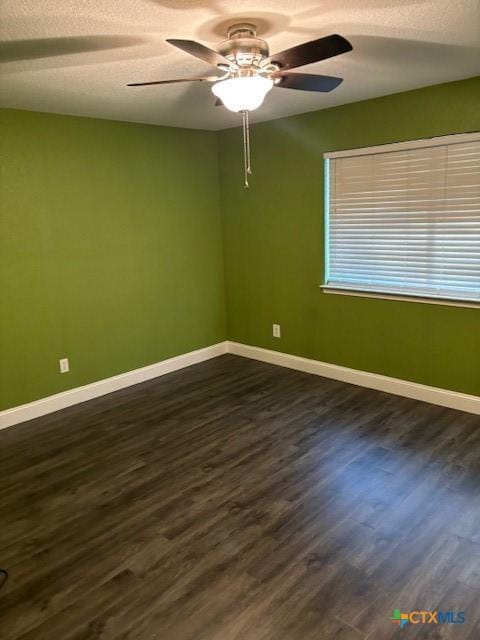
{"x": 244, "y": 93}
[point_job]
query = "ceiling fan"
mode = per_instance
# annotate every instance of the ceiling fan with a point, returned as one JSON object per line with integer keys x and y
{"x": 250, "y": 72}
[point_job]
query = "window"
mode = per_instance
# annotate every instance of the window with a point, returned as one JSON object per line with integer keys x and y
{"x": 404, "y": 219}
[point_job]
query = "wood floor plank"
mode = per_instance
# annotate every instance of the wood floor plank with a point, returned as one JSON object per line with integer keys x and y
{"x": 236, "y": 500}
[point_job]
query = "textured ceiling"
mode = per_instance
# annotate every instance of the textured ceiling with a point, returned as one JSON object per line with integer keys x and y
{"x": 76, "y": 56}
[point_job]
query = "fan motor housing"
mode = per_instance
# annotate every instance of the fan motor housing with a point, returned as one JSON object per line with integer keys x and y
{"x": 243, "y": 47}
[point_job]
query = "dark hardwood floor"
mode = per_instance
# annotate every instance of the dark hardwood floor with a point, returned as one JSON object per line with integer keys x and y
{"x": 236, "y": 500}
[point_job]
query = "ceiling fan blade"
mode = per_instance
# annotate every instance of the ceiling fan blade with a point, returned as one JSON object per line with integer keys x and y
{"x": 199, "y": 51}
{"x": 144, "y": 84}
{"x": 309, "y": 52}
{"x": 306, "y": 81}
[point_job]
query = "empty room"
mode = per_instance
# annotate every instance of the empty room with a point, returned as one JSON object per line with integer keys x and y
{"x": 240, "y": 320}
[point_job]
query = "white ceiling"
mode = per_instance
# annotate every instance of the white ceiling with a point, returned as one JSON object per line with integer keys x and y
{"x": 76, "y": 56}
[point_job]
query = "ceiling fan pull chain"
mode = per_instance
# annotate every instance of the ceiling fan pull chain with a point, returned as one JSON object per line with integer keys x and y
{"x": 246, "y": 148}
{"x": 249, "y": 158}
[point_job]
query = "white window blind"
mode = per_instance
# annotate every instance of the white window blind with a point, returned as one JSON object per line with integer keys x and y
{"x": 405, "y": 219}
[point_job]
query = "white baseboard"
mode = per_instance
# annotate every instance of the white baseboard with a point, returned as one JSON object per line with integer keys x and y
{"x": 58, "y": 401}
{"x": 434, "y": 395}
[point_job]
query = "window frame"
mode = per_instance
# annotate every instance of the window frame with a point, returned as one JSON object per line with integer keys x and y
{"x": 473, "y": 136}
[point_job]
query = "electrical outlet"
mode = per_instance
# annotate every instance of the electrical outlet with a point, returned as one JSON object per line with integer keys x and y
{"x": 276, "y": 331}
{"x": 64, "y": 365}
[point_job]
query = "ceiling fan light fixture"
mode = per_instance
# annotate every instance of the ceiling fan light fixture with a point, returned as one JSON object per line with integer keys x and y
{"x": 250, "y": 71}
{"x": 244, "y": 93}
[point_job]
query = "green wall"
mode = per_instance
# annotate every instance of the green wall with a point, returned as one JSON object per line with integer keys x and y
{"x": 273, "y": 244}
{"x": 110, "y": 249}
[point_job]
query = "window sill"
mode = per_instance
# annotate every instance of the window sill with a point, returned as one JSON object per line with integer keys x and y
{"x": 381, "y": 295}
